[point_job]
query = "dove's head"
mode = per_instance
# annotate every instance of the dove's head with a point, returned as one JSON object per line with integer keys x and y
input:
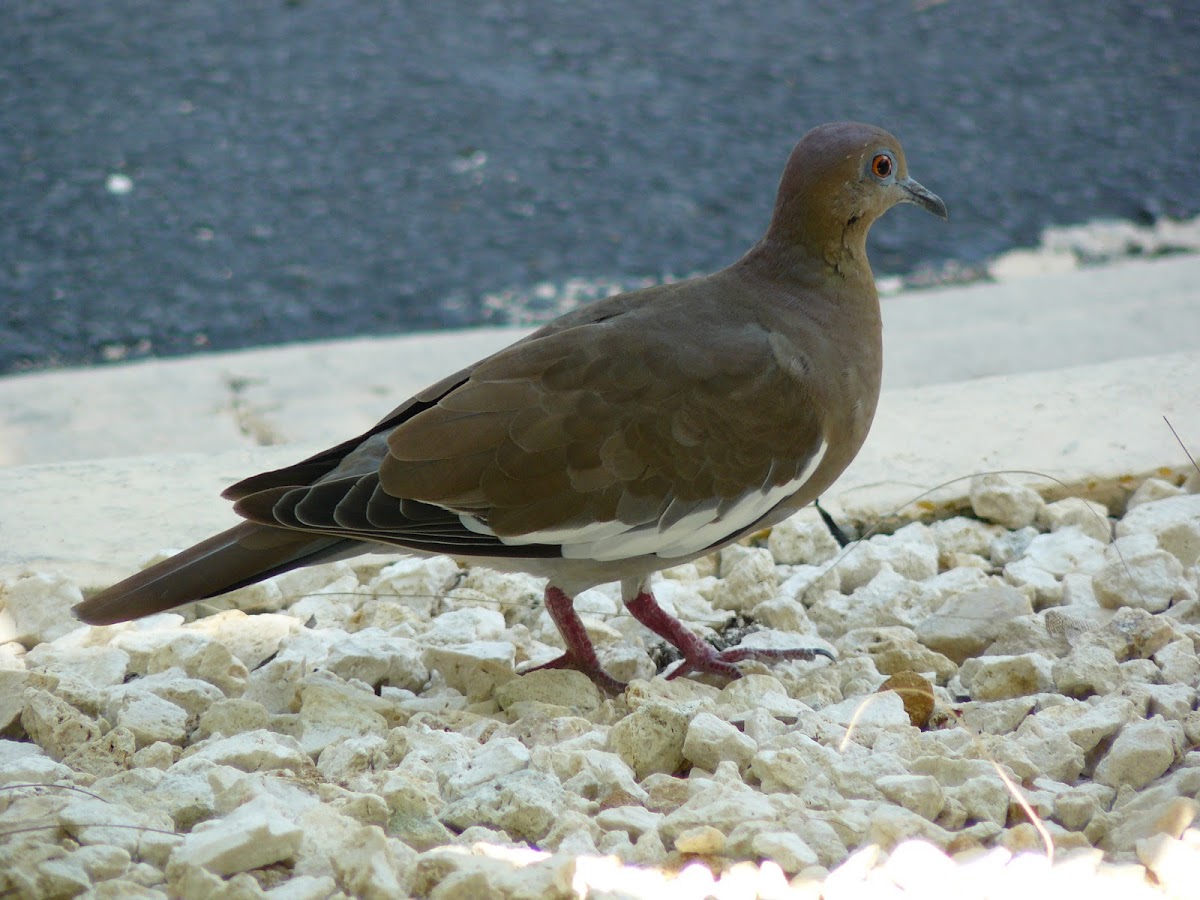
{"x": 839, "y": 179}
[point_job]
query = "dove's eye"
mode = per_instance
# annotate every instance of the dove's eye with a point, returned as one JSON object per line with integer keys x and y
{"x": 882, "y": 165}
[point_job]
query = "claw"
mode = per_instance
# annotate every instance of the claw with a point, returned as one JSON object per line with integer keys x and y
{"x": 599, "y": 677}
{"x": 723, "y": 663}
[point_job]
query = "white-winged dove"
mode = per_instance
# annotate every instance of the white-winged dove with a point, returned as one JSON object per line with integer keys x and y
{"x": 633, "y": 434}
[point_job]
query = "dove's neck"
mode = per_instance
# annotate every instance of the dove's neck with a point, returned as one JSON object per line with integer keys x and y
{"x": 832, "y": 261}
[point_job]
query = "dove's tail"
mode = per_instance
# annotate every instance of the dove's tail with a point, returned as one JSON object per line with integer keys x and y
{"x": 244, "y": 554}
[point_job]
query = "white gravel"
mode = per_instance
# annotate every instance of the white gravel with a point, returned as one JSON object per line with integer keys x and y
{"x": 359, "y": 730}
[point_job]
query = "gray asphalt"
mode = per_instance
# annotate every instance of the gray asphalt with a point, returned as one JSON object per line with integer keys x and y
{"x": 305, "y": 169}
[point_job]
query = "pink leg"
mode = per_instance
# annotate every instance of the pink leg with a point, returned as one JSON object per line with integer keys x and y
{"x": 580, "y": 655}
{"x": 699, "y": 655}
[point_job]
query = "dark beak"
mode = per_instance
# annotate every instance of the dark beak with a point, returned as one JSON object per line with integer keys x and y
{"x": 916, "y": 193}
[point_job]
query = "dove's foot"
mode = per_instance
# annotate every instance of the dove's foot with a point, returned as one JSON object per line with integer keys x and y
{"x": 581, "y": 654}
{"x": 700, "y": 656}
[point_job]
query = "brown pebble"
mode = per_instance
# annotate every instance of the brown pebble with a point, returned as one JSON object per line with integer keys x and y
{"x": 916, "y": 693}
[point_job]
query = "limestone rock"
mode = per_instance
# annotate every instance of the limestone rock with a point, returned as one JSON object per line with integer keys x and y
{"x": 1142, "y": 752}
{"x": 1001, "y": 677}
{"x": 969, "y": 622}
{"x": 1000, "y": 499}
{"x": 1174, "y": 522}
{"x": 650, "y": 739}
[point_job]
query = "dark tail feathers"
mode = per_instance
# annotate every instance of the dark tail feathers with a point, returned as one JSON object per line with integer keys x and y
{"x": 244, "y": 554}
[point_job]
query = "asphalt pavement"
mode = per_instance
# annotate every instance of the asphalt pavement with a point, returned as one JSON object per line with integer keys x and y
{"x": 189, "y": 177}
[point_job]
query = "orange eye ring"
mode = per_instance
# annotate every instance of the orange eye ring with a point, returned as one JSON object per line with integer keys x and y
{"x": 882, "y": 166}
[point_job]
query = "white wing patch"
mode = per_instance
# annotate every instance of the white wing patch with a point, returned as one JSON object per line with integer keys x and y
{"x": 678, "y": 532}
